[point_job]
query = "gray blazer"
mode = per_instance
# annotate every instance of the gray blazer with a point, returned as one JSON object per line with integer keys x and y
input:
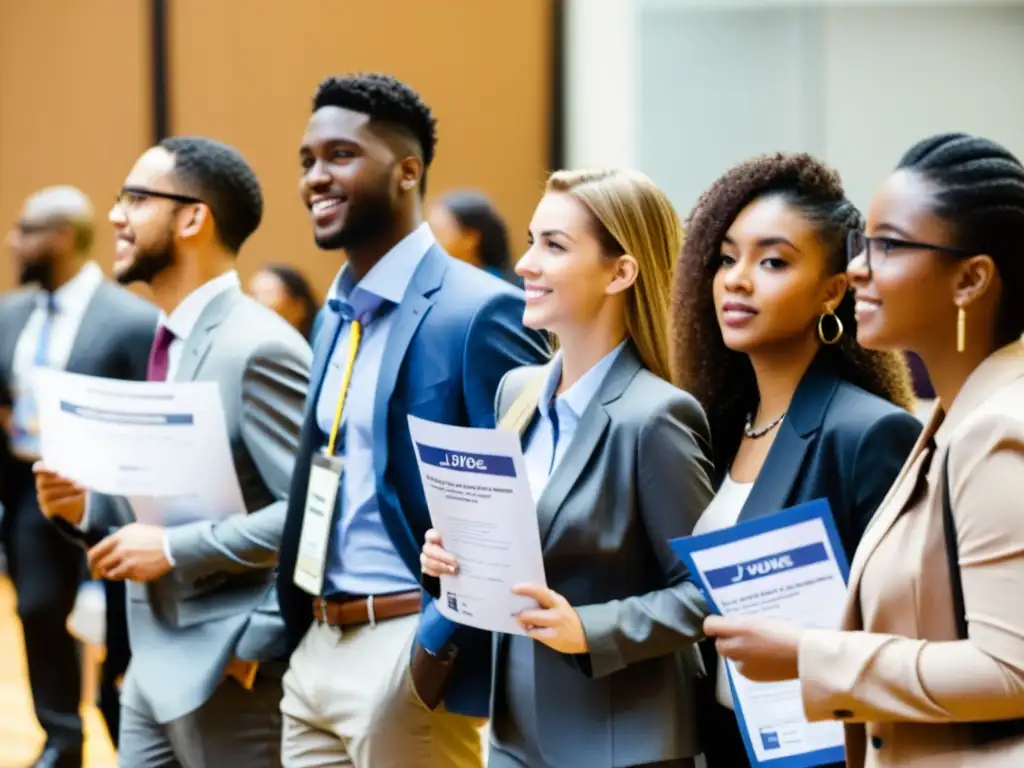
{"x": 219, "y": 600}
{"x": 637, "y": 474}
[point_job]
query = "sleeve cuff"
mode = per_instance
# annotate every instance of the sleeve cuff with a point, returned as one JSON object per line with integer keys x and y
{"x": 818, "y": 663}
{"x": 600, "y": 627}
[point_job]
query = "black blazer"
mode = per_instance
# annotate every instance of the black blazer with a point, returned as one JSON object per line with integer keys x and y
{"x": 837, "y": 442}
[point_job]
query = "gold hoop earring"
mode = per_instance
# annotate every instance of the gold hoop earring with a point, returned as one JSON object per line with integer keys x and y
{"x": 961, "y": 329}
{"x": 821, "y": 329}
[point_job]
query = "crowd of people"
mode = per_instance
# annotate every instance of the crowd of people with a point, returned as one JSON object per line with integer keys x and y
{"x": 667, "y": 376}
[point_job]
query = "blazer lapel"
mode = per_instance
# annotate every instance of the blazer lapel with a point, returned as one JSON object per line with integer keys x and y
{"x": 777, "y": 478}
{"x": 198, "y": 343}
{"x": 410, "y": 312}
{"x": 593, "y": 424}
{"x": 92, "y": 321}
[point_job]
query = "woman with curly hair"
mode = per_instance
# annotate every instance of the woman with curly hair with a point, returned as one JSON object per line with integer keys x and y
{"x": 765, "y": 338}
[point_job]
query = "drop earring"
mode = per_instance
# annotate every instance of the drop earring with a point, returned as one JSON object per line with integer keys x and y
{"x": 961, "y": 329}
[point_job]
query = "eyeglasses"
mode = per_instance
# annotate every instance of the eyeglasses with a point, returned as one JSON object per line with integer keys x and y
{"x": 877, "y": 249}
{"x": 26, "y": 228}
{"x": 129, "y": 197}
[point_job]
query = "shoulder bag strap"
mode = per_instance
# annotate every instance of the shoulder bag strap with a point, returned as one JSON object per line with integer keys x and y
{"x": 519, "y": 414}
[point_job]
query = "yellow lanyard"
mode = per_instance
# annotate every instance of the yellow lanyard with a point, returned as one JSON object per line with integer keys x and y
{"x": 355, "y": 332}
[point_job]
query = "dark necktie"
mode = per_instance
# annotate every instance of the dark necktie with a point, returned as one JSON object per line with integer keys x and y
{"x": 159, "y": 355}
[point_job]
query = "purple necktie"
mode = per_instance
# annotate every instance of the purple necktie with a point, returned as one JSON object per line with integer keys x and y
{"x": 159, "y": 358}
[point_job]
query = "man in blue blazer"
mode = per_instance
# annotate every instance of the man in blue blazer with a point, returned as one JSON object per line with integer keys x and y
{"x": 407, "y": 330}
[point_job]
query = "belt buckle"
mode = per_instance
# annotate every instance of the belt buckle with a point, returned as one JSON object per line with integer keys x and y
{"x": 369, "y": 611}
{"x": 323, "y": 611}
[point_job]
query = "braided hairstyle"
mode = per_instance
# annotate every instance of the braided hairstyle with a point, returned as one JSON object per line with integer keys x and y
{"x": 721, "y": 379}
{"x": 979, "y": 191}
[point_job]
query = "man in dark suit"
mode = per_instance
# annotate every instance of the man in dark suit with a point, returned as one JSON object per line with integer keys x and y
{"x": 407, "y": 330}
{"x": 66, "y": 316}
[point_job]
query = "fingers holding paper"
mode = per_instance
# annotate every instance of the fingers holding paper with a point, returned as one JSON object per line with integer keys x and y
{"x": 763, "y": 650}
{"x": 58, "y": 496}
{"x": 554, "y": 623}
{"x": 136, "y": 552}
{"x": 434, "y": 559}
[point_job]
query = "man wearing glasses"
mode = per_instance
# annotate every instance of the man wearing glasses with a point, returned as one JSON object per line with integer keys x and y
{"x": 66, "y": 316}
{"x": 203, "y": 686}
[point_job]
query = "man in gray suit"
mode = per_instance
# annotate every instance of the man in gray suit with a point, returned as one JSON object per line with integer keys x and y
{"x": 206, "y": 636}
{"x": 66, "y": 316}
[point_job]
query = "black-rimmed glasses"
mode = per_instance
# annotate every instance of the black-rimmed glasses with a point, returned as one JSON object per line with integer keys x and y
{"x": 132, "y": 196}
{"x": 877, "y": 249}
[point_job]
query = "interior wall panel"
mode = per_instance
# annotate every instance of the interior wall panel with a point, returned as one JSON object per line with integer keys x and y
{"x": 245, "y": 71}
{"x": 74, "y": 103}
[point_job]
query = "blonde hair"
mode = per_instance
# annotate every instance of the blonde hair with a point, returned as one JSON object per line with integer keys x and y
{"x": 633, "y": 216}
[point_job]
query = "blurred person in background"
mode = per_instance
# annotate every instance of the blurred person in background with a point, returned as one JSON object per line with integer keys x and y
{"x": 469, "y": 227}
{"x": 286, "y": 291}
{"x": 67, "y": 316}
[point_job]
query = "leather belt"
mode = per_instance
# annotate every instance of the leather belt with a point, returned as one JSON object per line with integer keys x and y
{"x": 349, "y": 611}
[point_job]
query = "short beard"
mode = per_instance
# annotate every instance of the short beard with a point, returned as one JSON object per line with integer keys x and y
{"x": 39, "y": 270}
{"x": 147, "y": 266}
{"x": 368, "y": 219}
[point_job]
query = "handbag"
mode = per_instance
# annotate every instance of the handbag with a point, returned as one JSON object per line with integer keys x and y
{"x": 430, "y": 672}
{"x": 982, "y": 732}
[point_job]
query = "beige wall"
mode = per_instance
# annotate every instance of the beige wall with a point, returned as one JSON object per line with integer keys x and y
{"x": 483, "y": 67}
{"x": 75, "y": 106}
{"x": 74, "y": 103}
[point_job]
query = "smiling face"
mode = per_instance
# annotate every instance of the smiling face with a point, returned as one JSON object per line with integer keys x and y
{"x": 569, "y": 278}
{"x": 144, "y": 224}
{"x": 350, "y": 178}
{"x": 772, "y": 282}
{"x": 909, "y": 291}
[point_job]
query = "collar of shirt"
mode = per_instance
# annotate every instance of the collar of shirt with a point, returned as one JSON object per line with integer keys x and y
{"x": 183, "y": 319}
{"x": 577, "y": 397}
{"x": 77, "y": 292}
{"x": 387, "y": 281}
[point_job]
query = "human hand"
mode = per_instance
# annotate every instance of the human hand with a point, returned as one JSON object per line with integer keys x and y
{"x": 763, "y": 650}
{"x": 555, "y": 623}
{"x": 135, "y": 552}
{"x": 58, "y": 496}
{"x": 434, "y": 560}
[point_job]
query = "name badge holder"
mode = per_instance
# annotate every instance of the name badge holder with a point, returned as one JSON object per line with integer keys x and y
{"x": 325, "y": 474}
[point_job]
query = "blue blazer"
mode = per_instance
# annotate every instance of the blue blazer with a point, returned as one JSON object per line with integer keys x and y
{"x": 457, "y": 332}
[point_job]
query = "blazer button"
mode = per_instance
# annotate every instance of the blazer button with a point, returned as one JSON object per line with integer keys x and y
{"x": 876, "y": 742}
{"x": 842, "y": 714}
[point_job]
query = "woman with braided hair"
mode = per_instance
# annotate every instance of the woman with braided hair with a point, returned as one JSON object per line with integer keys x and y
{"x": 928, "y": 666}
{"x": 765, "y": 338}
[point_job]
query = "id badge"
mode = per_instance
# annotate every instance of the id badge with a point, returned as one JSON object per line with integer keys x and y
{"x": 324, "y": 481}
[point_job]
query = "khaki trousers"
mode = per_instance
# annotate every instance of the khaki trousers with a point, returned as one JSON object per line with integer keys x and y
{"x": 349, "y": 701}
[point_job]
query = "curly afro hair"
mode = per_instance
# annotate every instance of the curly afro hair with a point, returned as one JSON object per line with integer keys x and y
{"x": 387, "y": 100}
{"x": 722, "y": 380}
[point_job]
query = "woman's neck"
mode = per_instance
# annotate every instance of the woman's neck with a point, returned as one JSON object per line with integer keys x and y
{"x": 778, "y": 374}
{"x": 949, "y": 370}
{"x": 583, "y": 348}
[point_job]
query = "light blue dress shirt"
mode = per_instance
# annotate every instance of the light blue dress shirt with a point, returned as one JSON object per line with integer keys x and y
{"x": 558, "y": 418}
{"x": 361, "y": 558}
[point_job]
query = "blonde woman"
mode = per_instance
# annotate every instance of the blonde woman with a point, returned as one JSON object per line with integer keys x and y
{"x": 618, "y": 460}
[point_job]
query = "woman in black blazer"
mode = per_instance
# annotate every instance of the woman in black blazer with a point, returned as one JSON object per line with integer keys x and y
{"x": 764, "y": 337}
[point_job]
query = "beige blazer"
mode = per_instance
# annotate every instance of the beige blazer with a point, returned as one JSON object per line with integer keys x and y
{"x": 897, "y": 676}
